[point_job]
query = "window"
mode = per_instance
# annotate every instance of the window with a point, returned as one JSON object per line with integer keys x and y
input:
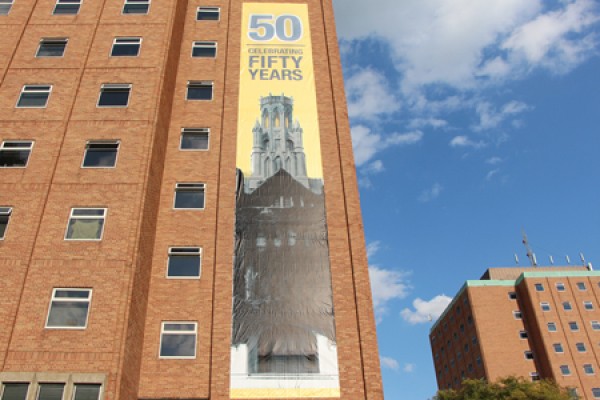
{"x": 86, "y": 391}
{"x": 523, "y": 334}
{"x": 69, "y": 308}
{"x": 204, "y": 49}
{"x": 208, "y": 14}
{"x": 528, "y": 355}
{"x": 560, "y": 287}
{"x": 51, "y": 47}
{"x": 199, "y": 90}
{"x": 184, "y": 262}
{"x": 539, "y": 287}
{"x": 545, "y": 306}
{"x": 573, "y": 326}
{"x": 189, "y": 196}
{"x": 178, "y": 340}
{"x": 67, "y": 7}
{"x": 517, "y": 315}
{"x": 588, "y": 369}
{"x": 512, "y": 295}
{"x": 595, "y": 325}
{"x": 565, "y": 370}
{"x": 136, "y": 6}
{"x": 573, "y": 395}
{"x": 567, "y": 306}
{"x": 15, "y": 391}
{"x": 596, "y": 393}
{"x": 580, "y": 347}
{"x": 114, "y": 95}
{"x": 551, "y": 327}
{"x": 5, "y": 6}
{"x": 86, "y": 224}
{"x": 34, "y": 96}
{"x": 558, "y": 348}
{"x": 50, "y": 391}
{"x": 534, "y": 376}
{"x": 101, "y": 154}
{"x": 126, "y": 47}
{"x": 588, "y": 305}
{"x": 581, "y": 286}
{"x": 5, "y": 213}
{"x": 15, "y": 153}
{"x": 194, "y": 139}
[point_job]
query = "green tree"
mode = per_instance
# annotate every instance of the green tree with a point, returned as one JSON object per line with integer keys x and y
{"x": 510, "y": 388}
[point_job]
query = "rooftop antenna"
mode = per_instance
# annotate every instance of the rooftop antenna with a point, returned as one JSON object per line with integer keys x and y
{"x": 568, "y": 259}
{"x": 530, "y": 253}
{"x": 581, "y": 256}
{"x": 516, "y": 259}
{"x": 551, "y": 260}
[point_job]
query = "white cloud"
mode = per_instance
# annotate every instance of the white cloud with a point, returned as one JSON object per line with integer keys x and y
{"x": 373, "y": 248}
{"x": 374, "y": 167}
{"x": 493, "y": 160}
{"x": 435, "y": 123}
{"x": 466, "y": 43}
{"x": 366, "y": 143}
{"x": 369, "y": 95}
{"x": 425, "y": 311}
{"x": 390, "y": 363}
{"x": 464, "y": 141}
{"x": 431, "y": 193}
{"x": 409, "y": 368}
{"x": 490, "y": 118}
{"x": 491, "y": 174}
{"x": 386, "y": 285}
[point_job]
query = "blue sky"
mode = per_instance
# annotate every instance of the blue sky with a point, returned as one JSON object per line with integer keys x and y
{"x": 471, "y": 121}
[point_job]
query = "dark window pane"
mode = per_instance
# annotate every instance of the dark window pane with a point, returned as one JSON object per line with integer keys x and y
{"x": 200, "y": 92}
{"x": 113, "y": 98}
{"x": 86, "y": 391}
{"x": 194, "y": 141}
{"x": 72, "y": 294}
{"x": 5, "y": 8}
{"x": 99, "y": 157}
{"x": 68, "y": 314}
{"x": 189, "y": 199}
{"x": 33, "y": 99}
{"x": 3, "y": 225}
{"x": 204, "y": 51}
{"x": 51, "y": 391}
{"x": 14, "y": 158}
{"x": 88, "y": 211}
{"x": 184, "y": 265}
{"x": 174, "y": 345}
{"x": 125, "y": 50}
{"x": 85, "y": 229}
{"x": 15, "y": 391}
{"x": 207, "y": 15}
{"x": 136, "y": 7}
{"x": 67, "y": 7}
{"x": 52, "y": 48}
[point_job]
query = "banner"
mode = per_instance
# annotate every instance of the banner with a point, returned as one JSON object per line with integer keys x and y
{"x": 283, "y": 334}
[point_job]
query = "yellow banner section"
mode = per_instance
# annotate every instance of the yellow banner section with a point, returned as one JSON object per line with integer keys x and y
{"x": 276, "y": 59}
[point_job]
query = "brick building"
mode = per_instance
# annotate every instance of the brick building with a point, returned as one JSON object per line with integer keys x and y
{"x": 539, "y": 323}
{"x": 120, "y": 139}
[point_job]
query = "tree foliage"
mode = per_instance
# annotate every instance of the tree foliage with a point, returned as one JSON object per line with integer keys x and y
{"x": 510, "y": 388}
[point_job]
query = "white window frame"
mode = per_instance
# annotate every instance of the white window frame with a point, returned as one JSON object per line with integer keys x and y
{"x": 8, "y": 3}
{"x": 580, "y": 285}
{"x": 571, "y": 326}
{"x": 192, "y": 131}
{"x": 544, "y": 305}
{"x": 584, "y": 350}
{"x": 193, "y": 251}
{"x": 189, "y": 186}
{"x": 523, "y": 335}
{"x": 95, "y": 142}
{"x": 35, "y": 88}
{"x": 552, "y": 324}
{"x": 512, "y": 295}
{"x": 567, "y": 306}
{"x": 595, "y": 325}
{"x": 560, "y": 287}
{"x": 539, "y": 287}
{"x": 40, "y": 384}
{"x": 48, "y": 40}
{"x": 109, "y": 86}
{"x": 204, "y": 44}
{"x": 70, "y": 299}
{"x": 87, "y": 217}
{"x": 200, "y": 84}
{"x": 590, "y": 304}
{"x": 6, "y": 212}
{"x": 211, "y": 9}
{"x": 596, "y": 392}
{"x": 30, "y": 148}
{"x": 136, "y": 1}
{"x": 534, "y": 376}
{"x": 517, "y": 315}
{"x": 591, "y": 366}
{"x": 163, "y": 331}
{"x": 528, "y": 354}
{"x": 75, "y": 384}
{"x": 59, "y": 1}
{"x": 15, "y": 382}
{"x": 127, "y": 40}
